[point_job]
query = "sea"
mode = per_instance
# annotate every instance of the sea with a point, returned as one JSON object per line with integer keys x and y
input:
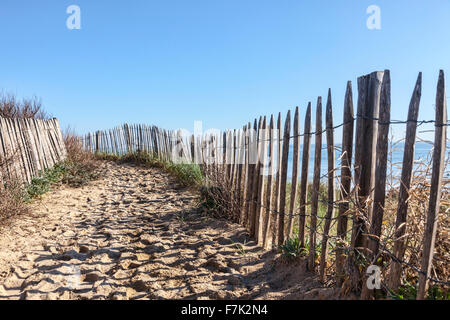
{"x": 422, "y": 154}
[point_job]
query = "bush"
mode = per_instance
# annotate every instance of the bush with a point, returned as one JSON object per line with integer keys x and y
{"x": 11, "y": 107}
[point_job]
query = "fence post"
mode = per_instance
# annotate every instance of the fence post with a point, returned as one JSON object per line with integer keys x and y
{"x": 440, "y": 138}
{"x": 331, "y": 185}
{"x": 405, "y": 184}
{"x": 380, "y": 177}
{"x": 256, "y": 177}
{"x": 369, "y": 89}
{"x": 268, "y": 202}
{"x": 283, "y": 177}
{"x": 247, "y": 176}
{"x": 304, "y": 177}
{"x": 315, "y": 187}
{"x": 262, "y": 155}
{"x": 128, "y": 137}
{"x": 295, "y": 156}
{"x": 276, "y": 204}
{"x": 240, "y": 169}
{"x": 251, "y": 171}
{"x": 346, "y": 179}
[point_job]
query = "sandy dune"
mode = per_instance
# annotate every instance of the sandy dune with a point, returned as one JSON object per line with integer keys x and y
{"x": 135, "y": 234}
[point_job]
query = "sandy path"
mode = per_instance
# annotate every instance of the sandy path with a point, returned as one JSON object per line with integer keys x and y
{"x": 135, "y": 234}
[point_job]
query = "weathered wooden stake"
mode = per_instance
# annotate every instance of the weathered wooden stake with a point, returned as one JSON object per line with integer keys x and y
{"x": 283, "y": 178}
{"x": 304, "y": 177}
{"x": 331, "y": 186}
{"x": 346, "y": 175}
{"x": 295, "y": 159}
{"x": 440, "y": 138}
{"x": 315, "y": 187}
{"x": 380, "y": 177}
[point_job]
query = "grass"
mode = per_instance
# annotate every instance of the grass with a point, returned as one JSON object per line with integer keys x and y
{"x": 240, "y": 248}
{"x": 409, "y": 292}
{"x": 12, "y": 202}
{"x": 292, "y": 249}
{"x": 74, "y": 174}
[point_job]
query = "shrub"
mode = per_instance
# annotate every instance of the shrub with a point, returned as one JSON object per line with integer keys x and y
{"x": 11, "y": 201}
{"x": 11, "y": 107}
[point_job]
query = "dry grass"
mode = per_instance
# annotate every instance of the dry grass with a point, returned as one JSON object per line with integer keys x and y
{"x": 11, "y": 195}
{"x": 12, "y": 107}
{"x": 80, "y": 166}
{"x": 417, "y": 212}
{"x": 418, "y": 202}
{"x": 219, "y": 196}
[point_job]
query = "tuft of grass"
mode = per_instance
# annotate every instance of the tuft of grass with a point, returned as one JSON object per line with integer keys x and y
{"x": 240, "y": 248}
{"x": 186, "y": 174}
{"x": 292, "y": 248}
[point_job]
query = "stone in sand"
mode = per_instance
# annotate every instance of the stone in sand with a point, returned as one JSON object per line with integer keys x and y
{"x": 134, "y": 265}
{"x": 91, "y": 277}
{"x": 234, "y": 280}
{"x": 84, "y": 249}
{"x": 139, "y": 286}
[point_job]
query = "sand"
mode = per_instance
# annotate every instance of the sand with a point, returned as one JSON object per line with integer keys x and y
{"x": 136, "y": 234}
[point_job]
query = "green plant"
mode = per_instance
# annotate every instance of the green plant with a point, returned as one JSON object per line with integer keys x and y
{"x": 240, "y": 248}
{"x": 292, "y": 248}
{"x": 42, "y": 184}
{"x": 405, "y": 292}
{"x": 186, "y": 174}
{"x": 409, "y": 292}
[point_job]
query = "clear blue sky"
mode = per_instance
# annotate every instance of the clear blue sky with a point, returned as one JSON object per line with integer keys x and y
{"x": 170, "y": 63}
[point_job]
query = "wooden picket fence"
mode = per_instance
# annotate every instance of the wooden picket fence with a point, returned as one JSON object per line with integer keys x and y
{"x": 254, "y": 162}
{"x": 28, "y": 146}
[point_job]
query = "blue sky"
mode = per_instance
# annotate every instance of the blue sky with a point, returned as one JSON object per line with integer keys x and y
{"x": 170, "y": 63}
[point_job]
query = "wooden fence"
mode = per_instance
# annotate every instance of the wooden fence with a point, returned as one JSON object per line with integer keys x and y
{"x": 28, "y": 146}
{"x": 254, "y": 160}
